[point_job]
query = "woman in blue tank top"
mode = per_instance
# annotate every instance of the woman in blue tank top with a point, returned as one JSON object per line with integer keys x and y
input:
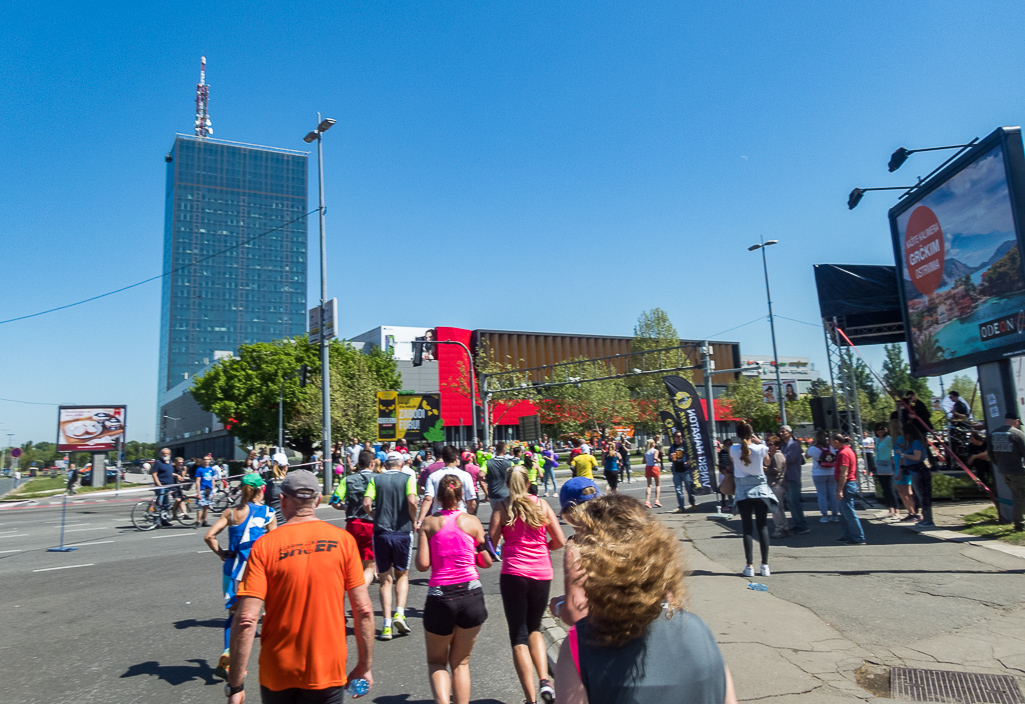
{"x": 637, "y": 643}
{"x": 245, "y": 523}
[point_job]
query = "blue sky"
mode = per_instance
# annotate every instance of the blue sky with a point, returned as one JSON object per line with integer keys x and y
{"x": 533, "y": 166}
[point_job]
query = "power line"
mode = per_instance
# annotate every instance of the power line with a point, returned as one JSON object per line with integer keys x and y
{"x": 802, "y": 322}
{"x": 158, "y": 276}
{"x": 30, "y": 403}
{"x": 737, "y": 327}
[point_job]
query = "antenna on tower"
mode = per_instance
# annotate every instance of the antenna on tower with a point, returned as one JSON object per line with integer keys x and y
{"x": 203, "y": 125}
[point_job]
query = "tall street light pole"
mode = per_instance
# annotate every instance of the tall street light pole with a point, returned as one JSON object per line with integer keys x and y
{"x": 325, "y": 366}
{"x": 772, "y": 327}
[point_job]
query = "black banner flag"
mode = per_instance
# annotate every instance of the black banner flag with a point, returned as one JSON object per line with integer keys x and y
{"x": 669, "y": 424}
{"x": 694, "y": 426}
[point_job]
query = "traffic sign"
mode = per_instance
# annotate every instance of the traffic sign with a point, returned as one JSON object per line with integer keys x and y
{"x": 16, "y": 452}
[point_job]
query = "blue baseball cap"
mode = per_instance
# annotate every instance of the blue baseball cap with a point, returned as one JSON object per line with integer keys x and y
{"x": 577, "y": 490}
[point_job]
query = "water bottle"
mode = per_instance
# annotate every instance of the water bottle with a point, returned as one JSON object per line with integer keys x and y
{"x": 357, "y": 687}
{"x": 757, "y": 587}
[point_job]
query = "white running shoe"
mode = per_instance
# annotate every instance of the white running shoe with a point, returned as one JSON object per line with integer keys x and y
{"x": 749, "y": 571}
{"x": 765, "y": 571}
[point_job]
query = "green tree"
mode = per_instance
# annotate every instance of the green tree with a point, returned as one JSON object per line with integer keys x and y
{"x": 655, "y": 331}
{"x": 243, "y": 391}
{"x": 586, "y": 407}
{"x": 897, "y": 374}
{"x": 746, "y": 401}
{"x": 864, "y": 380}
{"x": 820, "y": 387}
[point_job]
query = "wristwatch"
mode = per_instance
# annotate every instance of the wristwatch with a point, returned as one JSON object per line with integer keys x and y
{"x": 229, "y": 690}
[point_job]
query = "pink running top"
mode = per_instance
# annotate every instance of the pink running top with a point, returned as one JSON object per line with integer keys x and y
{"x": 526, "y": 550}
{"x": 453, "y": 554}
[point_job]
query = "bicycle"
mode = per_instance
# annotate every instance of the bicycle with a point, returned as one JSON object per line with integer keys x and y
{"x": 149, "y": 514}
{"x": 222, "y": 500}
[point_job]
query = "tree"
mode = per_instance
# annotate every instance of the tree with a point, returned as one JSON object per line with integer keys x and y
{"x": 819, "y": 387}
{"x": 587, "y": 407}
{"x": 746, "y": 401}
{"x": 897, "y": 374}
{"x": 654, "y": 331}
{"x": 864, "y": 381}
{"x": 243, "y": 391}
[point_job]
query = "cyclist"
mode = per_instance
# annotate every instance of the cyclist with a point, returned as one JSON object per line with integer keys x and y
{"x": 245, "y": 523}
{"x": 163, "y": 475}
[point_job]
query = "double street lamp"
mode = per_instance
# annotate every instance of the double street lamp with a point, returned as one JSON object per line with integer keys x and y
{"x": 325, "y": 366}
{"x": 772, "y": 327}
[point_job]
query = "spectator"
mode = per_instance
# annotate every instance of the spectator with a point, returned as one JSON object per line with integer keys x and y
{"x": 624, "y": 447}
{"x": 753, "y": 497}
{"x": 884, "y": 469}
{"x": 162, "y": 472}
{"x": 868, "y": 448}
{"x": 775, "y": 470}
{"x": 452, "y": 545}
{"x": 791, "y": 449}
{"x": 301, "y": 573}
{"x": 637, "y": 643}
{"x": 530, "y": 530}
{"x": 683, "y": 473}
{"x": 912, "y": 452}
{"x": 978, "y": 458}
{"x": 846, "y": 476}
{"x": 206, "y": 476}
{"x": 901, "y": 476}
{"x": 1007, "y": 449}
{"x": 823, "y": 461}
{"x": 728, "y": 484}
{"x": 913, "y": 409}
{"x": 352, "y": 452}
{"x": 959, "y": 411}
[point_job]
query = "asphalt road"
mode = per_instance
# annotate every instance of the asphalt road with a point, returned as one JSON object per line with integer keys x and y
{"x": 137, "y": 617}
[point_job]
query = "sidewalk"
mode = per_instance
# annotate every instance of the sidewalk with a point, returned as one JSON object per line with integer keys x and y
{"x": 837, "y": 617}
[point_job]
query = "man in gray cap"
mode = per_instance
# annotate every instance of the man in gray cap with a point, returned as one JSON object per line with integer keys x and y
{"x": 1007, "y": 451}
{"x": 301, "y": 573}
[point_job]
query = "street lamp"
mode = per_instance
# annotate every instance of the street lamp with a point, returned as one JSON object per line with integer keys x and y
{"x": 325, "y": 365}
{"x": 772, "y": 327}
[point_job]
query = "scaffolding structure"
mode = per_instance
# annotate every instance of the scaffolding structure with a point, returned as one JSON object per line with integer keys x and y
{"x": 843, "y": 382}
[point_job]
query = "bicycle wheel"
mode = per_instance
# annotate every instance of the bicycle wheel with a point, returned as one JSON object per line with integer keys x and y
{"x": 187, "y": 513}
{"x": 145, "y": 515}
{"x": 220, "y": 501}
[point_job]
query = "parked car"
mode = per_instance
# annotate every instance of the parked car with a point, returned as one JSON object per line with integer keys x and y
{"x": 86, "y": 477}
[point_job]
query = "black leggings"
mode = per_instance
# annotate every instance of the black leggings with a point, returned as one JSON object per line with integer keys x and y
{"x": 761, "y": 513}
{"x": 525, "y": 601}
{"x": 889, "y": 492}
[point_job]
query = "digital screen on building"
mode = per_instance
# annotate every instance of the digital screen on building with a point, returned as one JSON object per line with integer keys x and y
{"x": 958, "y": 255}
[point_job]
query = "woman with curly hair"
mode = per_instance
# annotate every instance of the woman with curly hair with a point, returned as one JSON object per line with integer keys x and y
{"x": 530, "y": 530}
{"x": 637, "y": 642}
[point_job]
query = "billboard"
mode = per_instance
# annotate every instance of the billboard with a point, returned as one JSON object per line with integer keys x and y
{"x": 90, "y": 428}
{"x": 770, "y": 392}
{"x": 957, "y": 246}
{"x": 410, "y": 417}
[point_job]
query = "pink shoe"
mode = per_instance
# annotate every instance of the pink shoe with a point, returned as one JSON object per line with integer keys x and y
{"x": 658, "y": 504}
{"x": 648, "y": 504}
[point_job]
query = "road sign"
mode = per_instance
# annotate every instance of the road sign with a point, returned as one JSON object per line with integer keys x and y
{"x": 16, "y": 452}
{"x": 330, "y": 320}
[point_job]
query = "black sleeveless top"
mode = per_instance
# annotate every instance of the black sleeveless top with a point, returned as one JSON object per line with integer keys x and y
{"x": 676, "y": 660}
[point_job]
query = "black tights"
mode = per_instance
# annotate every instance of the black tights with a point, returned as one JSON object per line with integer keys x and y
{"x": 760, "y": 510}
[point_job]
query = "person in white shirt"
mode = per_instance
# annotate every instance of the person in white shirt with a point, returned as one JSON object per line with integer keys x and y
{"x": 753, "y": 496}
{"x": 450, "y": 456}
{"x": 352, "y": 451}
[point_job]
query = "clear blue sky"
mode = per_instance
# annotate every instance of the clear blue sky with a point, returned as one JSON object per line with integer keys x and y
{"x": 529, "y": 165}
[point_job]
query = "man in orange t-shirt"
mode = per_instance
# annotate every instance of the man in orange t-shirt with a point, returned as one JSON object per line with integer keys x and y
{"x": 302, "y": 577}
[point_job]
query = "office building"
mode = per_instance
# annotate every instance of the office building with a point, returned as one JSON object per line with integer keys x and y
{"x": 235, "y": 244}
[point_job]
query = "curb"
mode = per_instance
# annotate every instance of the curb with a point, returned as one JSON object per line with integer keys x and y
{"x": 953, "y": 536}
{"x": 554, "y": 634}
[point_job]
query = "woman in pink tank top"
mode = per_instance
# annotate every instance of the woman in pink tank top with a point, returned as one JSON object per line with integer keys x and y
{"x": 451, "y": 545}
{"x": 530, "y": 530}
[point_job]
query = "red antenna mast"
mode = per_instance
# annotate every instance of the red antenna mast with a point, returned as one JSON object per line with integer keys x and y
{"x": 203, "y": 125}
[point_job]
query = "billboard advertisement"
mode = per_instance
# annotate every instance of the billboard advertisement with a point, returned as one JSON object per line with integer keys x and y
{"x": 90, "y": 428}
{"x": 410, "y": 417}
{"x": 958, "y": 253}
{"x": 770, "y": 392}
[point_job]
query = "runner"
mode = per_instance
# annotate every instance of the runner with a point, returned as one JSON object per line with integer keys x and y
{"x": 623, "y": 446}
{"x": 390, "y": 501}
{"x": 495, "y": 472}
{"x": 449, "y": 545}
{"x": 450, "y": 456}
{"x": 610, "y": 460}
{"x": 348, "y": 495}
{"x": 651, "y": 472}
{"x": 302, "y": 573}
{"x": 584, "y": 464}
{"x": 551, "y": 462}
{"x": 245, "y": 523}
{"x": 530, "y": 530}
{"x": 205, "y": 477}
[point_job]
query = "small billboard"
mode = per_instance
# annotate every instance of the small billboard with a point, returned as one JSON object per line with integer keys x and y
{"x": 957, "y": 245}
{"x": 90, "y": 428}
{"x": 410, "y": 417}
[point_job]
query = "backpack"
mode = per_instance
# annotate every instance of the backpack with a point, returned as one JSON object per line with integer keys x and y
{"x": 358, "y": 483}
{"x": 827, "y": 460}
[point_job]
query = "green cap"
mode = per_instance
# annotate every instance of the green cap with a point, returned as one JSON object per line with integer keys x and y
{"x": 253, "y": 479}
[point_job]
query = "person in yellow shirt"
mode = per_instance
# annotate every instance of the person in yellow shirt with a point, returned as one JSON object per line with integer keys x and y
{"x": 583, "y": 465}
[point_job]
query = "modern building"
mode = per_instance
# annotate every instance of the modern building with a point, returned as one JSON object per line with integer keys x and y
{"x": 445, "y": 366}
{"x": 799, "y": 370}
{"x": 235, "y": 244}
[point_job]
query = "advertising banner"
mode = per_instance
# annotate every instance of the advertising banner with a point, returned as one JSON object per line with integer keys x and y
{"x": 958, "y": 257}
{"x": 684, "y": 398}
{"x": 669, "y": 424}
{"x": 771, "y": 394}
{"x": 90, "y": 428}
{"x": 410, "y": 417}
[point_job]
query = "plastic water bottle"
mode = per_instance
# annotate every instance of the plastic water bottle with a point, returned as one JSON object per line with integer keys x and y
{"x": 757, "y": 587}
{"x": 357, "y": 687}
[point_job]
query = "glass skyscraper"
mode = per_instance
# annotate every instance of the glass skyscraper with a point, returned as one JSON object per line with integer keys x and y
{"x": 223, "y": 195}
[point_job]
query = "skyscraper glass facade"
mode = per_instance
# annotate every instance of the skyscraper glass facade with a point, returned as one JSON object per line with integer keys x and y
{"x": 223, "y": 195}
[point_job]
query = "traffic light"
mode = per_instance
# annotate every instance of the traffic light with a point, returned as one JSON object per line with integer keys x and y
{"x": 286, "y": 437}
{"x": 418, "y": 351}
{"x": 304, "y": 375}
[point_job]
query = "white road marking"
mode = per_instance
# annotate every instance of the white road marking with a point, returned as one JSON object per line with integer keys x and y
{"x": 176, "y": 535}
{"x": 79, "y": 530}
{"x": 15, "y": 535}
{"x": 95, "y": 542}
{"x": 3, "y": 551}
{"x": 65, "y": 567}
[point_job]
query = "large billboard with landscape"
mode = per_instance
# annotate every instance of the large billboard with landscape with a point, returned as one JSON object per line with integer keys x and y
{"x": 958, "y": 254}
